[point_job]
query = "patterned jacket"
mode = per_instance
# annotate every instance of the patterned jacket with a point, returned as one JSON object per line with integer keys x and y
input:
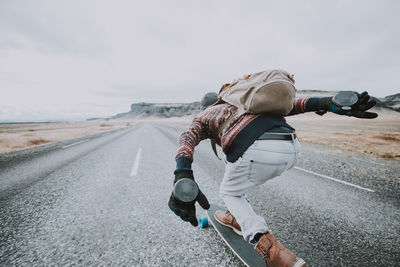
{"x": 235, "y": 137}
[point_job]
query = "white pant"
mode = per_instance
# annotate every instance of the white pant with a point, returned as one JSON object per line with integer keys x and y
{"x": 263, "y": 160}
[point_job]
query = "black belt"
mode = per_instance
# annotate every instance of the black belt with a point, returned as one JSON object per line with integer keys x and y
{"x": 277, "y": 136}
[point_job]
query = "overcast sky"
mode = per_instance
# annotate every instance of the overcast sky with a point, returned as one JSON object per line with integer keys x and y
{"x": 80, "y": 59}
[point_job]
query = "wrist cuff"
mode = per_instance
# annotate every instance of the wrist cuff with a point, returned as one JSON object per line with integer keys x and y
{"x": 183, "y": 164}
{"x": 318, "y": 103}
{"x": 334, "y": 109}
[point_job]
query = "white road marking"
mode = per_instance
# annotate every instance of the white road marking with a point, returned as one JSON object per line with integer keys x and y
{"x": 334, "y": 179}
{"x": 80, "y": 142}
{"x": 135, "y": 167}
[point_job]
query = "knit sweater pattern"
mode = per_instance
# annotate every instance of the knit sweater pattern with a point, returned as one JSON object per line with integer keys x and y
{"x": 207, "y": 124}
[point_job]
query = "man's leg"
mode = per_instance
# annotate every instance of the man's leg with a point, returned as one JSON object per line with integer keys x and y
{"x": 263, "y": 160}
{"x": 249, "y": 221}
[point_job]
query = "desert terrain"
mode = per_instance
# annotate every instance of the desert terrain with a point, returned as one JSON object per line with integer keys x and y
{"x": 18, "y": 136}
{"x": 378, "y": 137}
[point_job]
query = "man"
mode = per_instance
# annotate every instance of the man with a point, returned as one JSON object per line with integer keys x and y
{"x": 258, "y": 147}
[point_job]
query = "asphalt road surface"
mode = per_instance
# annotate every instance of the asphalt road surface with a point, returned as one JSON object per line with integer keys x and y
{"x": 103, "y": 201}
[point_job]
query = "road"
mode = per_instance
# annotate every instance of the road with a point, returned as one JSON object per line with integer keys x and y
{"x": 103, "y": 201}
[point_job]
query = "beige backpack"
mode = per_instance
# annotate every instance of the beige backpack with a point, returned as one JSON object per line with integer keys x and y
{"x": 271, "y": 92}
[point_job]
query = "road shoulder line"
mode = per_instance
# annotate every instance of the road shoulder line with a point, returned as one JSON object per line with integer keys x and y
{"x": 76, "y": 143}
{"x": 335, "y": 180}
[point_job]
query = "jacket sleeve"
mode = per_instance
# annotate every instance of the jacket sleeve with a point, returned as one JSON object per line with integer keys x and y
{"x": 187, "y": 141}
{"x": 299, "y": 106}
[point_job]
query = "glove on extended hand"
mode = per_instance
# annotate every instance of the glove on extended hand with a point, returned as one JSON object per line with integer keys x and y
{"x": 358, "y": 110}
{"x": 187, "y": 210}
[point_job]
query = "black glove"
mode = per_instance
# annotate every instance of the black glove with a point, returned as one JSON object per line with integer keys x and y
{"x": 358, "y": 109}
{"x": 187, "y": 210}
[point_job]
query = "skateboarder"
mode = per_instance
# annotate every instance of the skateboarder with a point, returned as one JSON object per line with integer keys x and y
{"x": 258, "y": 147}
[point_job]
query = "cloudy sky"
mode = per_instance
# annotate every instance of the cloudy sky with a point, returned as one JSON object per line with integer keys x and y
{"x": 79, "y": 59}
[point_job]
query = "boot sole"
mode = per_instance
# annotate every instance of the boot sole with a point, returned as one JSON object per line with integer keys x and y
{"x": 230, "y": 226}
{"x": 299, "y": 263}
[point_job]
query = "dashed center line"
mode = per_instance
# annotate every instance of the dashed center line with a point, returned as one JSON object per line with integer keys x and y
{"x": 135, "y": 167}
{"x": 335, "y": 180}
{"x": 73, "y": 144}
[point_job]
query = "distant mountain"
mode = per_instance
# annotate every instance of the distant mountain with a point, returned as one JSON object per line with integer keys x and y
{"x": 162, "y": 110}
{"x": 167, "y": 110}
{"x": 392, "y": 101}
{"x": 316, "y": 93}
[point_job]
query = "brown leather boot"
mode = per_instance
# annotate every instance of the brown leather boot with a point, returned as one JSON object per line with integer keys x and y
{"x": 227, "y": 219}
{"x": 275, "y": 254}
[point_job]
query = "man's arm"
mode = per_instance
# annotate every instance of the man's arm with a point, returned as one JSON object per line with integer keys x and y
{"x": 321, "y": 105}
{"x": 190, "y": 138}
{"x": 299, "y": 106}
{"x": 187, "y": 141}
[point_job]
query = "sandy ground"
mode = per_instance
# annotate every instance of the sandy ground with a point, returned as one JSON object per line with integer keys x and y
{"x": 15, "y": 137}
{"x": 379, "y": 137}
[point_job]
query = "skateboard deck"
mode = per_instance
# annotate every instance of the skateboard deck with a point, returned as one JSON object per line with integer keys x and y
{"x": 242, "y": 249}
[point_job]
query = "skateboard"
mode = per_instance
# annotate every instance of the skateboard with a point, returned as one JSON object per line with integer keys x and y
{"x": 242, "y": 249}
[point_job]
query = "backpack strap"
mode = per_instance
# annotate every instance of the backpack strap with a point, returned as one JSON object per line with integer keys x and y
{"x": 214, "y": 148}
{"x": 227, "y": 86}
{"x": 220, "y": 128}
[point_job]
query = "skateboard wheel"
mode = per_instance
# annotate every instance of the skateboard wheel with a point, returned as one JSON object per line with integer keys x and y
{"x": 203, "y": 222}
